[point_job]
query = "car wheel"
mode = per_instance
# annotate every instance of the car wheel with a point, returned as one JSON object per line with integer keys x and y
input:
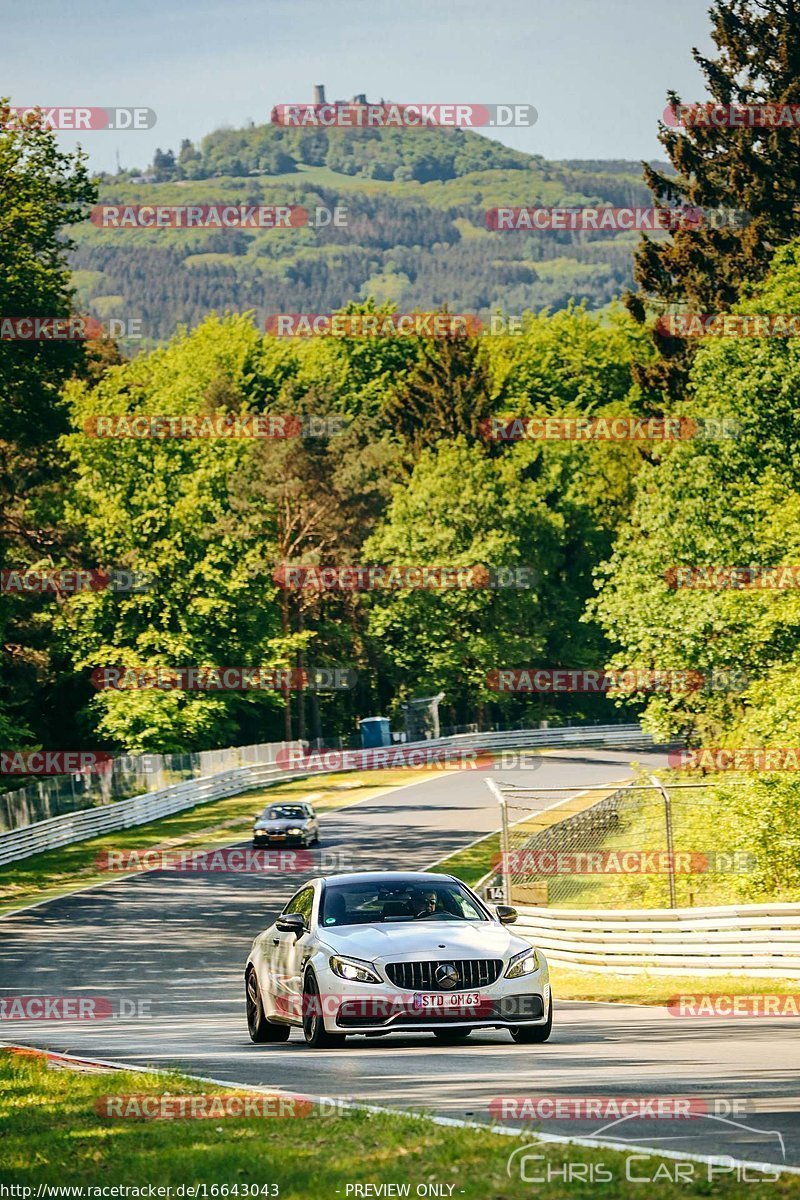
{"x": 451, "y": 1036}
{"x": 534, "y": 1033}
{"x": 314, "y": 1030}
{"x": 259, "y": 1028}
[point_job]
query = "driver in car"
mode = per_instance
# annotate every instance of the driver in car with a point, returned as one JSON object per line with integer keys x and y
{"x": 430, "y": 904}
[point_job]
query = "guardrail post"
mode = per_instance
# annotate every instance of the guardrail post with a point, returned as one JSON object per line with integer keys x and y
{"x": 505, "y": 849}
{"x": 670, "y": 840}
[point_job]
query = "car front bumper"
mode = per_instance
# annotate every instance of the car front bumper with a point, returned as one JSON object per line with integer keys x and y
{"x": 360, "y": 1008}
{"x": 279, "y": 839}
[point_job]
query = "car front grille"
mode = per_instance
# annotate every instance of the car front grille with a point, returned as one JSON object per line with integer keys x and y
{"x": 421, "y": 976}
{"x": 367, "y": 1012}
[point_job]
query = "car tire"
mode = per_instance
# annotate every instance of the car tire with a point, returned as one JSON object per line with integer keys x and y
{"x": 451, "y": 1036}
{"x": 314, "y": 1031}
{"x": 259, "y": 1028}
{"x": 525, "y": 1034}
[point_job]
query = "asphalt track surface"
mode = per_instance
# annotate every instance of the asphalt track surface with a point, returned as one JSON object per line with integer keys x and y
{"x": 168, "y": 950}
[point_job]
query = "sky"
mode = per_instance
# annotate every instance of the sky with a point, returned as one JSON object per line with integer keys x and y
{"x": 597, "y": 71}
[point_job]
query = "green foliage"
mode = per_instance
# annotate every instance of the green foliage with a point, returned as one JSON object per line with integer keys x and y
{"x": 727, "y": 502}
{"x": 42, "y": 191}
{"x": 749, "y": 170}
{"x": 371, "y": 153}
{"x": 462, "y": 508}
{"x": 418, "y": 243}
{"x": 166, "y": 507}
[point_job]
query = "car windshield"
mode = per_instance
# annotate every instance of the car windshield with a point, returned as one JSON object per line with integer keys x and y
{"x": 285, "y": 812}
{"x": 370, "y": 903}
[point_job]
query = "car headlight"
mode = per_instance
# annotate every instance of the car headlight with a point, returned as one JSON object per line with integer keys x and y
{"x": 354, "y": 969}
{"x": 523, "y": 964}
{"x": 294, "y": 829}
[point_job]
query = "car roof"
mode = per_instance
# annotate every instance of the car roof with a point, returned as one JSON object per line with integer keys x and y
{"x": 384, "y": 877}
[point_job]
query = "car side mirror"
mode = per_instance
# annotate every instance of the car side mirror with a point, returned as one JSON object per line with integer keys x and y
{"x": 506, "y": 915}
{"x": 292, "y": 923}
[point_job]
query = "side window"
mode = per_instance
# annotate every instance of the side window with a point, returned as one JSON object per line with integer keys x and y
{"x": 303, "y": 903}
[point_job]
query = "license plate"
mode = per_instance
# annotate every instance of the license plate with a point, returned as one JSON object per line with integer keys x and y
{"x": 445, "y": 1001}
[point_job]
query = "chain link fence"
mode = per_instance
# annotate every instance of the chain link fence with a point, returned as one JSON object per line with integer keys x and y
{"x": 642, "y": 845}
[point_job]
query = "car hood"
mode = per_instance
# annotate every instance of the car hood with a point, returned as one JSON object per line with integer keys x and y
{"x": 279, "y": 826}
{"x": 422, "y": 940}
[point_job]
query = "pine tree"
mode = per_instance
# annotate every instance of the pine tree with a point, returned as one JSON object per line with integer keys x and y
{"x": 753, "y": 172}
{"x": 448, "y": 393}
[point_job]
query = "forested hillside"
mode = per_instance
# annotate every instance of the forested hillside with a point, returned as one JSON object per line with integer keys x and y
{"x": 415, "y": 231}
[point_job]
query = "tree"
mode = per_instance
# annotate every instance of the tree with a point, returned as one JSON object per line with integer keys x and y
{"x": 168, "y": 507}
{"x": 730, "y": 501}
{"x": 751, "y": 170}
{"x": 463, "y": 508}
{"x": 164, "y": 165}
{"x": 42, "y": 192}
{"x": 448, "y": 393}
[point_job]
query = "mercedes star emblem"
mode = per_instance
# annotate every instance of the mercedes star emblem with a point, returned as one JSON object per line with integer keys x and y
{"x": 446, "y": 976}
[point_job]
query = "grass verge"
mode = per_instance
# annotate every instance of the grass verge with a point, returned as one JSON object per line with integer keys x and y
{"x": 52, "y": 1134}
{"x": 643, "y": 988}
{"x": 472, "y": 863}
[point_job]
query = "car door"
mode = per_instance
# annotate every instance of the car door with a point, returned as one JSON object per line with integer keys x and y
{"x": 289, "y": 955}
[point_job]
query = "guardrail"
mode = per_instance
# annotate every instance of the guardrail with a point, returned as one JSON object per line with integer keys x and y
{"x": 619, "y": 736}
{"x": 128, "y": 775}
{"x": 56, "y": 832}
{"x": 123, "y": 814}
{"x": 761, "y": 939}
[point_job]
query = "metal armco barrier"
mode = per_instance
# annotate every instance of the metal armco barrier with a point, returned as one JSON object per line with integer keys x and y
{"x": 759, "y": 939}
{"x": 129, "y": 775}
{"x": 88, "y": 823}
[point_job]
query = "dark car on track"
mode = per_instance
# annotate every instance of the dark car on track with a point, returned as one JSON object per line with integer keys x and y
{"x": 289, "y": 823}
